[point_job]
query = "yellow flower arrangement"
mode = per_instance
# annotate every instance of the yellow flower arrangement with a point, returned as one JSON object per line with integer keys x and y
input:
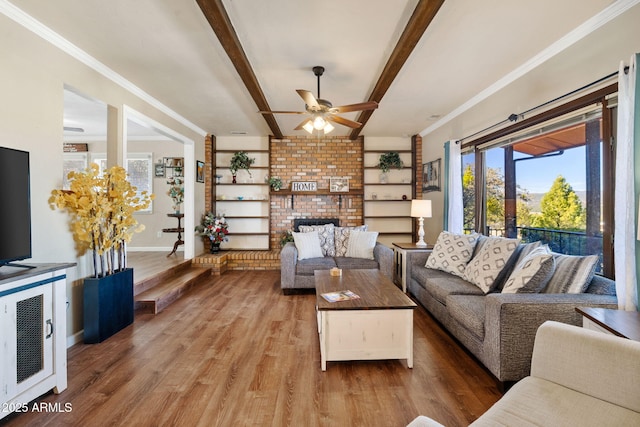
{"x": 101, "y": 209}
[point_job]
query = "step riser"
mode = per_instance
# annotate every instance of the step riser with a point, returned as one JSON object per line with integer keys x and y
{"x": 160, "y": 302}
{"x": 153, "y": 281}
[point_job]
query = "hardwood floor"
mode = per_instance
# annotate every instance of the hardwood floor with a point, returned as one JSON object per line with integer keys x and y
{"x": 236, "y": 352}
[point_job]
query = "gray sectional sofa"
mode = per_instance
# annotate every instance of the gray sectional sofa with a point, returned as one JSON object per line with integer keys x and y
{"x": 499, "y": 328}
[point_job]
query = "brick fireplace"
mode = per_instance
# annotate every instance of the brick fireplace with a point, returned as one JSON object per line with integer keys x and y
{"x": 310, "y": 158}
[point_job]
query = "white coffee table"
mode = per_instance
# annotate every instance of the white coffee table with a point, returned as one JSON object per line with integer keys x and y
{"x": 377, "y": 326}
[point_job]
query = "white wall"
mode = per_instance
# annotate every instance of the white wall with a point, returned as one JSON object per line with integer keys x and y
{"x": 32, "y": 78}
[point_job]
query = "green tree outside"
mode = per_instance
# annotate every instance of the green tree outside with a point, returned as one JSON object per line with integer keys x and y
{"x": 561, "y": 208}
{"x": 495, "y": 200}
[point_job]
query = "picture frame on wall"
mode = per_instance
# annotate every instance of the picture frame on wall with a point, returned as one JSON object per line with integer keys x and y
{"x": 431, "y": 176}
{"x": 199, "y": 171}
{"x": 159, "y": 170}
{"x": 339, "y": 185}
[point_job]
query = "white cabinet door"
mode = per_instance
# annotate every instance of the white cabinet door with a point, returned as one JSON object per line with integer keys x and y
{"x": 27, "y": 339}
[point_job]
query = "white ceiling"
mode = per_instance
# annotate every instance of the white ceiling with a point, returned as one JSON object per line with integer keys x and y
{"x": 168, "y": 49}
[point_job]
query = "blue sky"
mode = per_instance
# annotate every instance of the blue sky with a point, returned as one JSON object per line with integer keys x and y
{"x": 538, "y": 175}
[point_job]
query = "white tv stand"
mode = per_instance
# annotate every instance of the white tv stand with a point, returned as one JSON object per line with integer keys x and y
{"x": 33, "y": 351}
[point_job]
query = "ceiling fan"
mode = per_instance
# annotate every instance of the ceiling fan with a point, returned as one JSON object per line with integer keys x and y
{"x": 322, "y": 112}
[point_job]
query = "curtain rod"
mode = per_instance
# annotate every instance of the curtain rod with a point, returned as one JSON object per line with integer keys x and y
{"x": 514, "y": 117}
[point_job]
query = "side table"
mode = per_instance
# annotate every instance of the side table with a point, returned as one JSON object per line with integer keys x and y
{"x": 400, "y": 261}
{"x": 178, "y": 230}
{"x": 625, "y": 324}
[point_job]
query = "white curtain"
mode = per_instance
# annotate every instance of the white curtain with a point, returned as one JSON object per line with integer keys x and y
{"x": 455, "y": 211}
{"x": 625, "y": 221}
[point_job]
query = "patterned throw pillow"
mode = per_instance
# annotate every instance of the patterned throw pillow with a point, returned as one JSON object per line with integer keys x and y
{"x": 341, "y": 238}
{"x": 573, "y": 274}
{"x": 485, "y": 268}
{"x": 326, "y": 235}
{"x": 452, "y": 252}
{"x": 532, "y": 273}
{"x": 308, "y": 245}
{"x": 361, "y": 244}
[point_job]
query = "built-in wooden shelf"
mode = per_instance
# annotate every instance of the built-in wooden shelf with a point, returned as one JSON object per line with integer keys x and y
{"x": 317, "y": 193}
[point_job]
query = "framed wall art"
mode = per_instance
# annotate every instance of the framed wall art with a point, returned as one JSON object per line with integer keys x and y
{"x": 199, "y": 171}
{"x": 339, "y": 185}
{"x": 431, "y": 177}
{"x": 159, "y": 170}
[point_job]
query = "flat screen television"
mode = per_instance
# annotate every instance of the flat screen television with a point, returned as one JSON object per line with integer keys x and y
{"x": 15, "y": 206}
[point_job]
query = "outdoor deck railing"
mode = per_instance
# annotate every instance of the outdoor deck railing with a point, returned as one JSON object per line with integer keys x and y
{"x": 559, "y": 241}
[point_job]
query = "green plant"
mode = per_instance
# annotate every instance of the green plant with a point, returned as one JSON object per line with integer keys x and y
{"x": 176, "y": 191}
{"x": 102, "y": 208}
{"x": 275, "y": 183}
{"x": 286, "y": 238}
{"x": 241, "y": 160}
{"x": 390, "y": 160}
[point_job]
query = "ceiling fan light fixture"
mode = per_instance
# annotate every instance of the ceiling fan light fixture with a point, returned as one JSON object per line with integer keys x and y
{"x": 328, "y": 128}
{"x": 308, "y": 126}
{"x": 319, "y": 122}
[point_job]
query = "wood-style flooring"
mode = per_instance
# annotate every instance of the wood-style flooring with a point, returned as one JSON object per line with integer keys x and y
{"x": 237, "y": 352}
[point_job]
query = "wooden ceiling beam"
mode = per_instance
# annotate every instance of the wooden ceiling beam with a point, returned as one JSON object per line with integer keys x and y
{"x": 219, "y": 20}
{"x": 422, "y": 16}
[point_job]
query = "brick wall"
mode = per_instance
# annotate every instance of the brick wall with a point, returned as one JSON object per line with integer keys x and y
{"x": 316, "y": 159}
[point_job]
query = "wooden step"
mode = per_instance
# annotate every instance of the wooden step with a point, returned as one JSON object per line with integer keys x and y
{"x": 151, "y": 280}
{"x": 167, "y": 290}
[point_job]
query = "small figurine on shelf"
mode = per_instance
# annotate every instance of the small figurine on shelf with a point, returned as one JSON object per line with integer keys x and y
{"x": 215, "y": 228}
{"x": 176, "y": 192}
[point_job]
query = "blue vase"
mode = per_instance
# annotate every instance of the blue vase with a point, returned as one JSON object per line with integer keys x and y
{"x": 108, "y": 305}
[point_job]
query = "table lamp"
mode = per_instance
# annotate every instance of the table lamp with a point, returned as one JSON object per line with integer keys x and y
{"x": 421, "y": 209}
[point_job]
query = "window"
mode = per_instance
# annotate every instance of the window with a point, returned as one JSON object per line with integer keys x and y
{"x": 140, "y": 170}
{"x": 76, "y": 162}
{"x": 546, "y": 183}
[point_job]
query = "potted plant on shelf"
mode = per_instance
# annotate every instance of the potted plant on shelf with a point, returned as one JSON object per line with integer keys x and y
{"x": 387, "y": 161}
{"x": 240, "y": 160}
{"x": 275, "y": 183}
{"x": 215, "y": 228}
{"x": 101, "y": 208}
{"x": 176, "y": 192}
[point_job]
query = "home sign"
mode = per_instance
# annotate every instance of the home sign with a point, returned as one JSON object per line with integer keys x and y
{"x": 304, "y": 186}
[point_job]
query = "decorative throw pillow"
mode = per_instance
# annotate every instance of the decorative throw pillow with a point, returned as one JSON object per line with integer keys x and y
{"x": 452, "y": 252}
{"x": 532, "y": 273}
{"x": 573, "y": 274}
{"x": 485, "y": 268}
{"x": 361, "y": 244}
{"x": 326, "y": 235}
{"x": 341, "y": 238}
{"x": 307, "y": 244}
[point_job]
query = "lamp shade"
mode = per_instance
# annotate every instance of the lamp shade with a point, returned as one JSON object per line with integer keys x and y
{"x": 421, "y": 208}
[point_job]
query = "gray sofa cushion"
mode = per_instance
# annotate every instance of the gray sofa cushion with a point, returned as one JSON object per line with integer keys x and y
{"x": 441, "y": 284}
{"x": 468, "y": 310}
{"x": 306, "y": 267}
{"x": 601, "y": 286}
{"x": 349, "y": 263}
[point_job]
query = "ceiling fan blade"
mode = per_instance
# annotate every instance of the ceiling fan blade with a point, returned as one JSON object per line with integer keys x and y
{"x": 344, "y": 122}
{"x": 300, "y": 126}
{"x": 308, "y": 98}
{"x": 371, "y": 105}
{"x": 282, "y": 112}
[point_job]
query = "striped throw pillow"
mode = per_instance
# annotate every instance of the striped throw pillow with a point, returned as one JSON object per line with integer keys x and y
{"x": 573, "y": 274}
